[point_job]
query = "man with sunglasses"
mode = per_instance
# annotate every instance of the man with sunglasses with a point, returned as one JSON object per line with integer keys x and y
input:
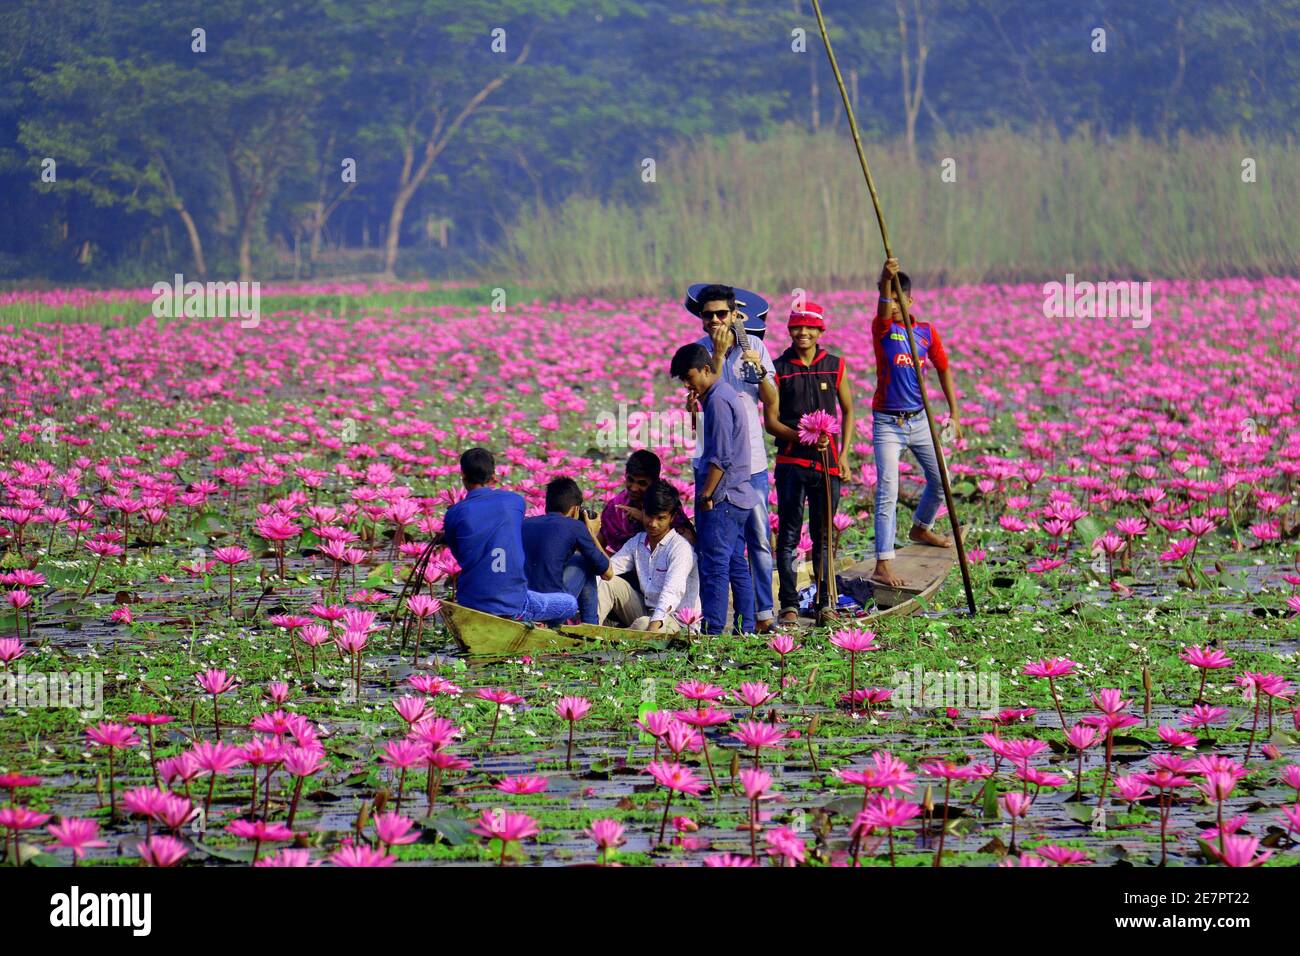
{"x": 748, "y": 370}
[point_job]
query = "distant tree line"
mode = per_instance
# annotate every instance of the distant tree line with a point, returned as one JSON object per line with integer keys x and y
{"x": 312, "y": 137}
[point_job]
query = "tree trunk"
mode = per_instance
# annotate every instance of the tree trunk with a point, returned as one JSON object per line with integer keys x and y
{"x": 912, "y": 92}
{"x": 317, "y": 227}
{"x": 177, "y": 203}
{"x": 246, "y": 249}
{"x": 395, "y": 216}
{"x": 196, "y": 244}
{"x": 437, "y": 140}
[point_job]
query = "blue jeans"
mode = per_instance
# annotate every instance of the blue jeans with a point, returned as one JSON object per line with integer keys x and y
{"x": 758, "y": 542}
{"x": 794, "y": 483}
{"x": 581, "y": 583}
{"x": 548, "y": 606}
{"x": 721, "y": 544}
{"x": 889, "y": 437}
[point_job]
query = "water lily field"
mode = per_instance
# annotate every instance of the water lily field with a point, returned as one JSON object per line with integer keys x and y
{"x": 205, "y": 528}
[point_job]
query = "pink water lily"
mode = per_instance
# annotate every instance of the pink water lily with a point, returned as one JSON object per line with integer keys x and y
{"x": 572, "y": 709}
{"x": 608, "y": 836}
{"x": 506, "y": 827}
{"x": 502, "y": 698}
{"x": 856, "y": 642}
{"x": 78, "y": 835}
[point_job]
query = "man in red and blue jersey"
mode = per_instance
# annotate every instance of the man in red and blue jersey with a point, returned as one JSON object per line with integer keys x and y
{"x": 898, "y": 421}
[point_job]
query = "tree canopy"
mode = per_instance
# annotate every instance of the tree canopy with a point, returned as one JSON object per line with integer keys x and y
{"x": 138, "y": 136}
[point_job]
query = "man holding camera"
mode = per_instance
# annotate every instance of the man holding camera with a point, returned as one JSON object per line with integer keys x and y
{"x": 561, "y": 550}
{"x": 747, "y": 369}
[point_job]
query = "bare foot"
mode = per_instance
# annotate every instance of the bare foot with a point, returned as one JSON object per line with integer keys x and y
{"x": 922, "y": 536}
{"x": 789, "y": 617}
{"x": 884, "y": 574}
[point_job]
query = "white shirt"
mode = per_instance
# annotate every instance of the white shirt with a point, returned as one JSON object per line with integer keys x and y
{"x": 669, "y": 579}
{"x": 733, "y": 374}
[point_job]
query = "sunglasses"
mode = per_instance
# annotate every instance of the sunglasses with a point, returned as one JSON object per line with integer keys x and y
{"x": 715, "y": 314}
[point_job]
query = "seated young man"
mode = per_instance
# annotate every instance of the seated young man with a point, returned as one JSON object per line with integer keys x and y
{"x": 665, "y": 567}
{"x": 561, "y": 552}
{"x": 484, "y": 532}
{"x": 621, "y": 517}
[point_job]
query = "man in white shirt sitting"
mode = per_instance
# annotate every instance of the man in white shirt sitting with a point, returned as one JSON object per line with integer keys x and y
{"x": 665, "y": 568}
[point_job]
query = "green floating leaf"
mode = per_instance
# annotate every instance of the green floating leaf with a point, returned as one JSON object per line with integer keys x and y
{"x": 453, "y": 829}
{"x": 232, "y": 856}
{"x": 57, "y": 577}
{"x": 1080, "y": 812}
{"x": 209, "y": 522}
{"x": 1090, "y": 529}
{"x": 844, "y": 806}
{"x": 1233, "y": 581}
{"x": 382, "y": 575}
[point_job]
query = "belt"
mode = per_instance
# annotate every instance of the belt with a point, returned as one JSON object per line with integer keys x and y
{"x": 905, "y": 416}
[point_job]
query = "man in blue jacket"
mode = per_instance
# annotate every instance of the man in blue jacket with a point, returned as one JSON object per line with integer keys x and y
{"x": 561, "y": 549}
{"x": 484, "y": 532}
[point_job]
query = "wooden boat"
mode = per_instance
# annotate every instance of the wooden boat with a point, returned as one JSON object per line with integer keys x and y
{"x": 483, "y": 634}
{"x": 922, "y": 568}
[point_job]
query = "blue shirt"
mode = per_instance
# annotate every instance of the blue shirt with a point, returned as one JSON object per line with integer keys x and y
{"x": 725, "y": 443}
{"x": 549, "y": 541}
{"x": 483, "y": 531}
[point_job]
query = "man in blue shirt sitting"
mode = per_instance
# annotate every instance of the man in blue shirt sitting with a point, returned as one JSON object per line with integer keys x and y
{"x": 725, "y": 494}
{"x": 561, "y": 552}
{"x": 484, "y": 532}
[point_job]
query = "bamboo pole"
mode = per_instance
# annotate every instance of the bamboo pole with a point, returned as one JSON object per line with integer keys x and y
{"x": 907, "y": 319}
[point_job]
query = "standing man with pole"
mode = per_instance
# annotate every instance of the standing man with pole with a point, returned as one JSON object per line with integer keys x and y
{"x": 902, "y": 306}
{"x": 896, "y": 411}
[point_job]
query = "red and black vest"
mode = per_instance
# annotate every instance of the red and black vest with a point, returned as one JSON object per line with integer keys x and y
{"x": 806, "y": 388}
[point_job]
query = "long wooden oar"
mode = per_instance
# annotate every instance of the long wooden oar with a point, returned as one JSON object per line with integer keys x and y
{"x": 902, "y": 305}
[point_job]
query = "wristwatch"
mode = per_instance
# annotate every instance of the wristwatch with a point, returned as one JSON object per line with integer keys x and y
{"x": 706, "y": 502}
